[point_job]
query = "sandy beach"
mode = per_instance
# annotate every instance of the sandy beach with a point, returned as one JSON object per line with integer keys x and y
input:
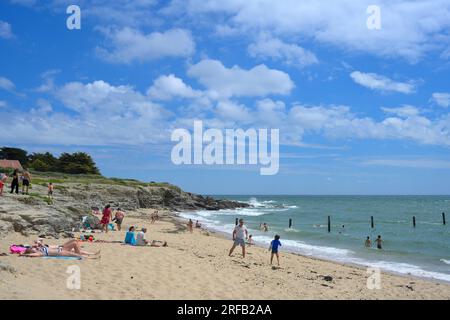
{"x": 194, "y": 266}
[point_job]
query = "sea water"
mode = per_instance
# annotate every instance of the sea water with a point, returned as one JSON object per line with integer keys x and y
{"x": 423, "y": 251}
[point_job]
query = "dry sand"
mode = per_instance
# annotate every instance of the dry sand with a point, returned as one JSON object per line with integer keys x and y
{"x": 194, "y": 266}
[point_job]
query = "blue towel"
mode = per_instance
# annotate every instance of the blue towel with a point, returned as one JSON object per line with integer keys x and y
{"x": 62, "y": 258}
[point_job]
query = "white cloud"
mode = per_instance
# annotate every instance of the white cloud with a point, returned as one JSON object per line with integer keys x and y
{"x": 7, "y": 84}
{"x": 405, "y": 111}
{"x": 409, "y": 29}
{"x": 5, "y": 30}
{"x": 442, "y": 99}
{"x": 290, "y": 54}
{"x": 228, "y": 110}
{"x": 223, "y": 82}
{"x": 101, "y": 114}
{"x": 378, "y": 82}
{"x": 421, "y": 163}
{"x": 168, "y": 87}
{"x": 3, "y": 104}
{"x": 128, "y": 45}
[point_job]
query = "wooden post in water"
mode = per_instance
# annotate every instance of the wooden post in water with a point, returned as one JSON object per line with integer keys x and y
{"x": 237, "y": 221}
{"x": 414, "y": 222}
{"x": 443, "y": 218}
{"x": 371, "y": 221}
{"x": 329, "y": 224}
{"x": 290, "y": 223}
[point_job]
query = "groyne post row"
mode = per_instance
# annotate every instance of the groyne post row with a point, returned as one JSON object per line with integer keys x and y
{"x": 372, "y": 223}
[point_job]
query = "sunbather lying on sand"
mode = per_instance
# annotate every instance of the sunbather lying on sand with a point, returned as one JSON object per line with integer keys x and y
{"x": 68, "y": 249}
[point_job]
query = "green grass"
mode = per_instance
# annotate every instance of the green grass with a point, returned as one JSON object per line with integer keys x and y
{"x": 44, "y": 178}
{"x": 40, "y": 197}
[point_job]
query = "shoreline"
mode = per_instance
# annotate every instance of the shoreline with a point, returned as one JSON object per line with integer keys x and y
{"x": 224, "y": 235}
{"x": 195, "y": 266}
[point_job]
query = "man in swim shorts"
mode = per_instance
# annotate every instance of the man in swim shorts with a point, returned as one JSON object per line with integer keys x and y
{"x": 240, "y": 234}
{"x": 26, "y": 179}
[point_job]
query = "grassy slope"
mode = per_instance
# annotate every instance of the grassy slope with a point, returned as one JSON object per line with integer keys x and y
{"x": 57, "y": 178}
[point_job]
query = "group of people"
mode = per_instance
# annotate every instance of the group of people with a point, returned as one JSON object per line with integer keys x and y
{"x": 241, "y": 238}
{"x": 264, "y": 227}
{"x": 190, "y": 225}
{"x": 16, "y": 177}
{"x": 107, "y": 218}
{"x": 140, "y": 239}
{"x": 378, "y": 242}
{"x": 25, "y": 177}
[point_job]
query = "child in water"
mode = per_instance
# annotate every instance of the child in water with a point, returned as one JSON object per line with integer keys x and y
{"x": 274, "y": 244}
{"x": 368, "y": 243}
{"x": 379, "y": 242}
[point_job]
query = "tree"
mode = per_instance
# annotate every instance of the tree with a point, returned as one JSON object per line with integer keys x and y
{"x": 14, "y": 154}
{"x": 43, "y": 162}
{"x": 78, "y": 162}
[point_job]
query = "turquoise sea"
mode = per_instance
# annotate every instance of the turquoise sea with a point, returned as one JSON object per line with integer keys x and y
{"x": 423, "y": 251}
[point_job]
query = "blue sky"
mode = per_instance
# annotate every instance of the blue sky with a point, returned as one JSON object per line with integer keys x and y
{"x": 359, "y": 111}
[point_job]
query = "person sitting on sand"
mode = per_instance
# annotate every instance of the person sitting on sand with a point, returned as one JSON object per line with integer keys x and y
{"x": 240, "y": 234}
{"x": 129, "y": 237}
{"x": 106, "y": 217}
{"x": 379, "y": 242}
{"x": 190, "y": 225}
{"x": 368, "y": 243}
{"x": 197, "y": 224}
{"x": 118, "y": 218}
{"x": 141, "y": 241}
{"x": 274, "y": 244}
{"x": 69, "y": 249}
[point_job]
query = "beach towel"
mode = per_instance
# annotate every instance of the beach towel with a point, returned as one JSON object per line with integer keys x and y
{"x": 62, "y": 258}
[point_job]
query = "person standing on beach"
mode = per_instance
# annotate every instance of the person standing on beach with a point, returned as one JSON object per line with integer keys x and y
{"x": 368, "y": 243}
{"x": 106, "y": 218}
{"x": 3, "y": 178}
{"x": 26, "y": 180}
{"x": 240, "y": 234}
{"x": 379, "y": 242}
{"x": 15, "y": 182}
{"x": 190, "y": 225}
{"x": 274, "y": 244}
{"x": 50, "y": 192}
{"x": 118, "y": 218}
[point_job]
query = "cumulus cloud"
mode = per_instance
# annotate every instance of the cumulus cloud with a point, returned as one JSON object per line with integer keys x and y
{"x": 7, "y": 84}
{"x": 442, "y": 99}
{"x": 223, "y": 82}
{"x": 101, "y": 114}
{"x": 381, "y": 83}
{"x": 409, "y": 29}
{"x": 128, "y": 45}
{"x": 291, "y": 54}
{"x": 5, "y": 30}
{"x": 170, "y": 86}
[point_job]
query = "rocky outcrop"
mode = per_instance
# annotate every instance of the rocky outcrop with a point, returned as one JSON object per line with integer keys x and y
{"x": 33, "y": 215}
